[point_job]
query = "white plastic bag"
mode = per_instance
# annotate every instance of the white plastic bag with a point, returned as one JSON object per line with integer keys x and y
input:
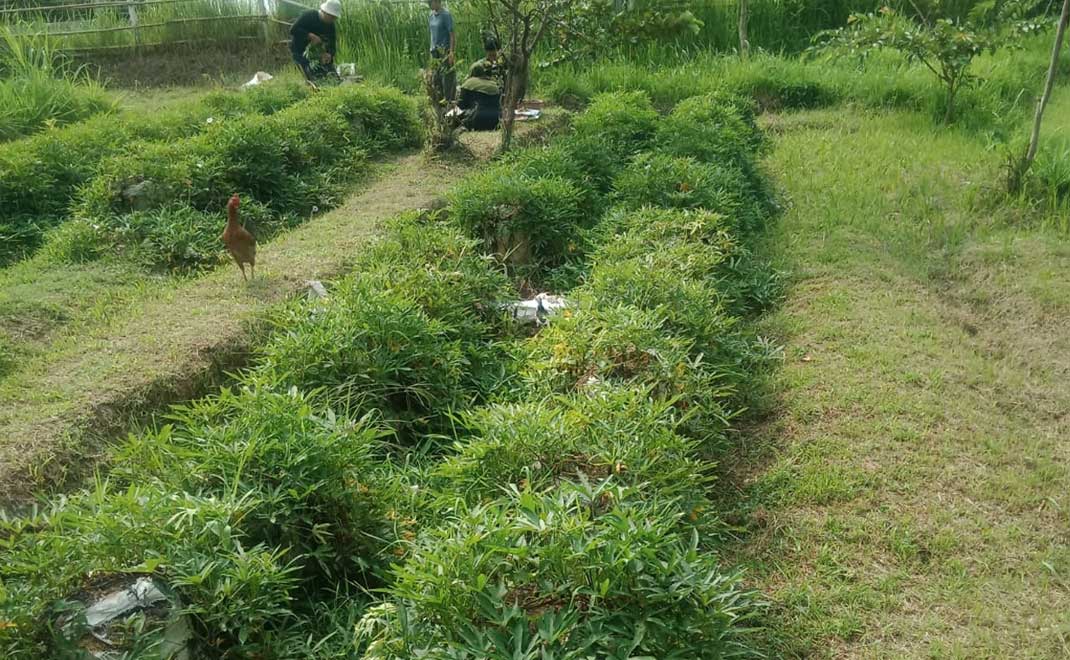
{"x": 260, "y": 77}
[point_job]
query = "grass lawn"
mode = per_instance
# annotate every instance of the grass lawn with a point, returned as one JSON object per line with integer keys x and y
{"x": 909, "y": 493}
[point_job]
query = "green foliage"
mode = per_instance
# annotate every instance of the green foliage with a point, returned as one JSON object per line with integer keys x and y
{"x": 311, "y": 475}
{"x": 233, "y": 587}
{"x": 38, "y": 90}
{"x": 569, "y": 522}
{"x": 945, "y": 46}
{"x": 685, "y": 183}
{"x": 712, "y": 128}
{"x": 612, "y": 342}
{"x": 624, "y": 122}
{"x": 527, "y": 220}
{"x": 584, "y": 571}
{"x": 40, "y": 175}
{"x": 691, "y": 254}
{"x": 178, "y": 238}
{"x": 293, "y": 161}
{"x": 618, "y": 432}
{"x": 410, "y": 339}
{"x": 592, "y": 26}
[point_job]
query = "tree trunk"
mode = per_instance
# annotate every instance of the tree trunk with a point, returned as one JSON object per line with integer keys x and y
{"x": 744, "y": 19}
{"x": 516, "y": 82}
{"x": 952, "y": 91}
{"x": 1034, "y": 141}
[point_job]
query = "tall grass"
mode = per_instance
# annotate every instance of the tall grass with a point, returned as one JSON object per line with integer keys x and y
{"x": 37, "y": 88}
{"x": 388, "y": 38}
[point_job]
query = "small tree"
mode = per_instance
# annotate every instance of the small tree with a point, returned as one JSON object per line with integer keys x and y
{"x": 582, "y": 28}
{"x": 1019, "y": 169}
{"x": 946, "y": 47}
{"x": 442, "y": 128}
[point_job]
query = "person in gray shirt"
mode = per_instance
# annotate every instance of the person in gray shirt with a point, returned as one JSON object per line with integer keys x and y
{"x": 443, "y": 44}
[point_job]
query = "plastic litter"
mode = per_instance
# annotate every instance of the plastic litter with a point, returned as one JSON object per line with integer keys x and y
{"x": 99, "y": 630}
{"x": 316, "y": 290}
{"x": 260, "y": 77}
{"x": 538, "y": 309}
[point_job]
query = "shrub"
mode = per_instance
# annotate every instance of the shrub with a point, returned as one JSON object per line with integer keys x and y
{"x": 653, "y": 256}
{"x": 685, "y": 183}
{"x": 261, "y": 99}
{"x": 712, "y": 129}
{"x": 610, "y": 432}
{"x": 609, "y": 342}
{"x": 559, "y": 160}
{"x": 372, "y": 350}
{"x": 526, "y": 220}
{"x": 312, "y": 475}
{"x": 680, "y": 284}
{"x": 235, "y": 589}
{"x": 273, "y": 159}
{"x": 625, "y": 122}
{"x": 411, "y": 334}
{"x": 34, "y": 99}
{"x": 40, "y": 175}
{"x": 442, "y": 271}
{"x": 177, "y": 237}
{"x": 581, "y": 572}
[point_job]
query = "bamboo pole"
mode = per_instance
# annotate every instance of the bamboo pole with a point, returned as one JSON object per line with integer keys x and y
{"x": 176, "y": 21}
{"x": 182, "y": 42}
{"x": 86, "y": 5}
{"x": 744, "y": 19}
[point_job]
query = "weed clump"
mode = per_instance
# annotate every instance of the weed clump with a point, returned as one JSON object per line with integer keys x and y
{"x": 583, "y": 571}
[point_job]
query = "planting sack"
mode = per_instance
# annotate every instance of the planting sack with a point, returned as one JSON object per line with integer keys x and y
{"x": 258, "y": 78}
{"x": 584, "y": 571}
{"x": 98, "y": 626}
{"x": 230, "y": 586}
{"x": 537, "y": 310}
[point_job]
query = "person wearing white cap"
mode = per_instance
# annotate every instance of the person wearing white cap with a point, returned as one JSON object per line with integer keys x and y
{"x": 315, "y": 27}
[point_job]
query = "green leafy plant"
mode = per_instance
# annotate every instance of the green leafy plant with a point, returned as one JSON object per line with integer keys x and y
{"x": 528, "y": 221}
{"x": 590, "y": 570}
{"x": 612, "y": 342}
{"x": 538, "y": 444}
{"x": 945, "y": 46}
{"x": 684, "y": 183}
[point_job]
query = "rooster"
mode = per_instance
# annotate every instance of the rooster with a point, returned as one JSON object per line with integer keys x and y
{"x": 240, "y": 243}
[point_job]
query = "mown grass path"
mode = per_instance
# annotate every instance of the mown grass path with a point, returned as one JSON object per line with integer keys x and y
{"x": 172, "y": 340}
{"x": 911, "y": 495}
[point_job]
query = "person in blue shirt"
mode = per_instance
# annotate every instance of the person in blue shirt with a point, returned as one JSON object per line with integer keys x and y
{"x": 443, "y": 47}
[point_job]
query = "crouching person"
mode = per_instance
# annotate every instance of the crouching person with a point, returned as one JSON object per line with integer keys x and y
{"x": 314, "y": 30}
{"x": 481, "y": 92}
